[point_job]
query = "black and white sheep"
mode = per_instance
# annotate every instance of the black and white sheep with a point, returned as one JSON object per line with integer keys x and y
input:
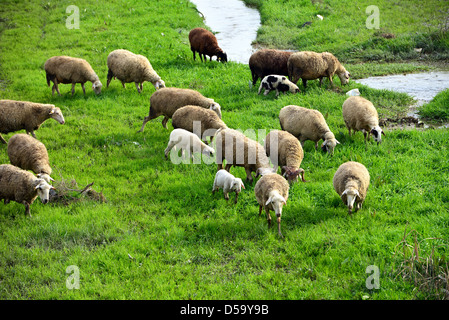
{"x": 64, "y": 69}
{"x": 18, "y": 115}
{"x": 278, "y": 83}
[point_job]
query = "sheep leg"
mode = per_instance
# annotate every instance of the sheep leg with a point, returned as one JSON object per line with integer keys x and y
{"x": 141, "y": 86}
{"x": 260, "y": 209}
{"x": 304, "y": 83}
{"x": 123, "y": 85}
{"x": 73, "y": 89}
{"x": 55, "y": 86}
{"x": 145, "y": 120}
{"x": 316, "y": 145}
{"x": 137, "y": 87}
{"x": 2, "y": 139}
{"x": 321, "y": 81}
{"x": 164, "y": 122}
{"x": 109, "y": 78}
{"x": 236, "y": 197}
{"x": 84, "y": 89}
{"x": 32, "y": 133}
{"x": 279, "y": 226}
{"x": 194, "y": 54}
{"x": 249, "y": 177}
{"x": 219, "y": 166}
{"x": 228, "y": 167}
{"x": 226, "y": 196}
{"x": 267, "y": 211}
{"x": 27, "y": 208}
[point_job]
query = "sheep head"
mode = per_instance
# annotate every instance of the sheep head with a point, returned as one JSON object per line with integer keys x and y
{"x": 96, "y": 86}
{"x": 56, "y": 114}
{"x": 43, "y": 190}
{"x": 329, "y": 145}
{"x": 349, "y": 196}
{"x": 377, "y": 132}
{"x": 291, "y": 174}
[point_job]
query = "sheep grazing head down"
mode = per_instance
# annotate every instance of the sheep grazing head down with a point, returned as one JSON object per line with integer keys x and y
{"x": 222, "y": 57}
{"x": 292, "y": 175}
{"x": 329, "y": 145}
{"x": 96, "y": 86}
{"x": 349, "y": 196}
{"x": 159, "y": 84}
{"x": 43, "y": 190}
{"x": 56, "y": 114}
{"x": 237, "y": 185}
{"x": 208, "y": 151}
{"x": 344, "y": 77}
{"x": 377, "y": 132}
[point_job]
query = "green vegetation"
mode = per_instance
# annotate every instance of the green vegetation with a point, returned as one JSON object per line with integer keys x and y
{"x": 438, "y": 108}
{"x": 161, "y": 234}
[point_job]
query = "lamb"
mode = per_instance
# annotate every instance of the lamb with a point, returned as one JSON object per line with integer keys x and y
{"x": 129, "y": 67}
{"x": 203, "y": 122}
{"x": 166, "y": 101}
{"x": 278, "y": 83}
{"x": 307, "y": 124}
{"x": 285, "y": 151}
{"x": 28, "y": 153}
{"x": 360, "y": 114}
{"x": 228, "y": 183}
{"x": 309, "y": 65}
{"x": 239, "y": 150}
{"x": 268, "y": 61}
{"x": 185, "y": 140}
{"x": 18, "y": 115}
{"x": 64, "y": 69}
{"x": 22, "y": 186}
{"x": 205, "y": 43}
{"x": 351, "y": 181}
{"x": 272, "y": 193}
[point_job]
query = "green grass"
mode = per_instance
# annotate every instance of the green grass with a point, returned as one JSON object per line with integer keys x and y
{"x": 161, "y": 234}
{"x": 438, "y": 108}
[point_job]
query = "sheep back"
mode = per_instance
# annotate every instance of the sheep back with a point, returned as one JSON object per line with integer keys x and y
{"x": 28, "y": 153}
{"x": 351, "y": 174}
{"x": 359, "y": 114}
{"x": 268, "y": 183}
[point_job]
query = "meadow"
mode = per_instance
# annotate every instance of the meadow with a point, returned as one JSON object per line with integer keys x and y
{"x": 160, "y": 233}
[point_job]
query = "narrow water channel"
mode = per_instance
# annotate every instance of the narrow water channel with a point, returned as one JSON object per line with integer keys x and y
{"x": 235, "y": 26}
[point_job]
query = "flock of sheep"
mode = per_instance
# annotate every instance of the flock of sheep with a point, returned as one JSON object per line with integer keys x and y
{"x": 195, "y": 118}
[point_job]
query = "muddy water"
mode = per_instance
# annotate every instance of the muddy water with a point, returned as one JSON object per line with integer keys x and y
{"x": 235, "y": 26}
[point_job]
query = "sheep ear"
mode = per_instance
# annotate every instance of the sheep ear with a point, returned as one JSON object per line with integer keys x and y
{"x": 268, "y": 201}
{"x": 344, "y": 192}
{"x": 52, "y": 111}
{"x": 284, "y": 201}
{"x": 337, "y": 141}
{"x": 383, "y": 132}
{"x": 243, "y": 186}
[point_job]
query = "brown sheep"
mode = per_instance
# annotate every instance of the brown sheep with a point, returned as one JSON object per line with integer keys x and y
{"x": 18, "y": 115}
{"x": 285, "y": 151}
{"x": 309, "y": 65}
{"x": 268, "y": 61}
{"x": 205, "y": 43}
{"x": 63, "y": 69}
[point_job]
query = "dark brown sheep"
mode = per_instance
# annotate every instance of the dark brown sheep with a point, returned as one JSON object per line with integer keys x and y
{"x": 205, "y": 43}
{"x": 268, "y": 61}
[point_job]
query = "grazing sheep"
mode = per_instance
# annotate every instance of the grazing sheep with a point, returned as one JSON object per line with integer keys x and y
{"x": 185, "y": 140}
{"x": 202, "y": 122}
{"x": 22, "y": 187}
{"x": 63, "y": 69}
{"x": 129, "y": 67}
{"x": 268, "y": 61}
{"x": 309, "y": 65}
{"x": 18, "y": 115}
{"x": 285, "y": 151}
{"x": 239, "y": 150}
{"x": 307, "y": 124}
{"x": 272, "y": 193}
{"x": 166, "y": 101}
{"x": 205, "y": 43}
{"x": 278, "y": 83}
{"x": 29, "y": 153}
{"x": 351, "y": 181}
{"x": 360, "y": 114}
{"x": 228, "y": 183}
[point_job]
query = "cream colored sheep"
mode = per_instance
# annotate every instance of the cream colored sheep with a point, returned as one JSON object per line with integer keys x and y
{"x": 129, "y": 67}
{"x": 18, "y": 115}
{"x": 22, "y": 187}
{"x": 285, "y": 151}
{"x": 309, "y": 65}
{"x": 272, "y": 193}
{"x": 307, "y": 124}
{"x": 351, "y": 181}
{"x": 166, "y": 101}
{"x": 64, "y": 69}
{"x": 360, "y": 114}
{"x": 29, "y": 153}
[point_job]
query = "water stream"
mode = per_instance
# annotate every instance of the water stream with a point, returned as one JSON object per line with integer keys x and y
{"x": 235, "y": 26}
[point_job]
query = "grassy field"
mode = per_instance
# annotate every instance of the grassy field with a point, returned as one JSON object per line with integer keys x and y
{"x": 160, "y": 233}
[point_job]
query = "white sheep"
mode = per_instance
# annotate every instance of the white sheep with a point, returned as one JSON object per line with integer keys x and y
{"x": 271, "y": 192}
{"x": 351, "y": 182}
{"x": 277, "y": 82}
{"x": 64, "y": 69}
{"x": 360, "y": 114}
{"x": 228, "y": 183}
{"x": 129, "y": 67}
{"x": 187, "y": 141}
{"x": 307, "y": 124}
